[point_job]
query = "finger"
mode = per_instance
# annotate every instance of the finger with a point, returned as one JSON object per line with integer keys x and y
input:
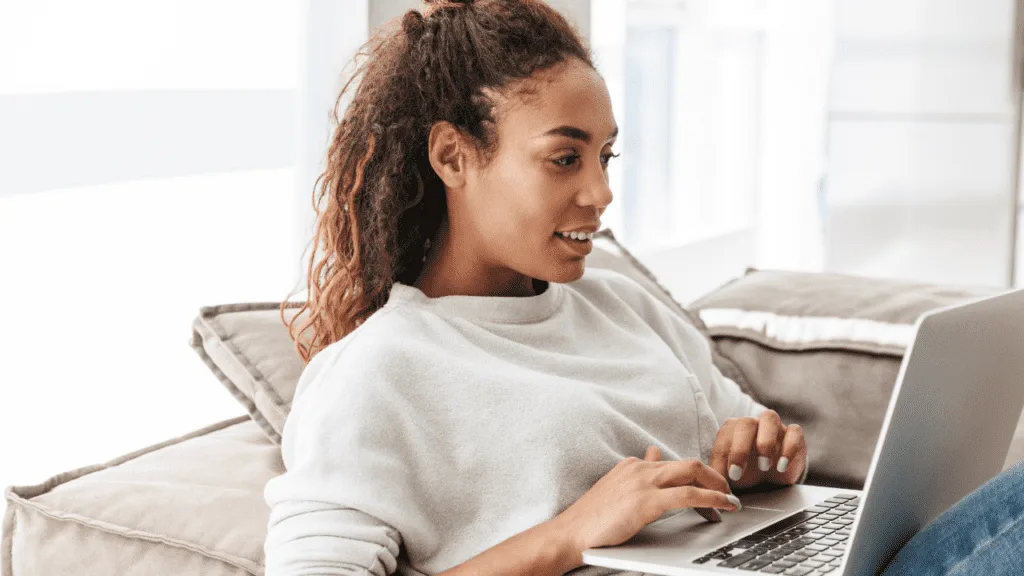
{"x": 770, "y": 433}
{"x": 720, "y": 451}
{"x": 743, "y": 436}
{"x": 793, "y": 445}
{"x": 695, "y": 497}
{"x": 692, "y": 471}
{"x": 709, "y": 514}
{"x": 653, "y": 453}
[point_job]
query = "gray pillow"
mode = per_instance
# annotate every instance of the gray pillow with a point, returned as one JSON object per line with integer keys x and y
{"x": 824, "y": 351}
{"x": 248, "y": 348}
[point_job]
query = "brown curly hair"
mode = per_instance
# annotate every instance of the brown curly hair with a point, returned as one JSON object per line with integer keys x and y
{"x": 383, "y": 199}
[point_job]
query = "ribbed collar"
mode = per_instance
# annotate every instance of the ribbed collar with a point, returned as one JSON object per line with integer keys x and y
{"x": 497, "y": 309}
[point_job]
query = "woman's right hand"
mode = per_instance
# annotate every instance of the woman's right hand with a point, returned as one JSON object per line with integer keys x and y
{"x": 637, "y": 492}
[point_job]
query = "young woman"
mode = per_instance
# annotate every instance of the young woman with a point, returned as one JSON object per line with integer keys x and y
{"x": 475, "y": 400}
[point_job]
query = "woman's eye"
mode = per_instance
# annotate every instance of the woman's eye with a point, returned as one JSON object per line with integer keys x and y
{"x": 568, "y": 161}
{"x": 572, "y": 158}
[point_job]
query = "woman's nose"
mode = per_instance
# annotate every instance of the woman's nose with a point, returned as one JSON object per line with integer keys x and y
{"x": 599, "y": 192}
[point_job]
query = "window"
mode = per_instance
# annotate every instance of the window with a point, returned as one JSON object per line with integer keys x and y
{"x": 688, "y": 91}
{"x": 146, "y": 170}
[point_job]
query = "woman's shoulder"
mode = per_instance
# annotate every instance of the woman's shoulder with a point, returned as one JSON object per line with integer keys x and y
{"x": 383, "y": 332}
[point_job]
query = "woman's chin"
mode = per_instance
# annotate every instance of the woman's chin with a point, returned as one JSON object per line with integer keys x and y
{"x": 569, "y": 271}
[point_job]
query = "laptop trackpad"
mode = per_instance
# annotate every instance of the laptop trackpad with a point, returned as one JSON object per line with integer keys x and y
{"x": 689, "y": 529}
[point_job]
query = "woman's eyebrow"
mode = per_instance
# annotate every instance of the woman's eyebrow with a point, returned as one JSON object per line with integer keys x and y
{"x": 576, "y": 133}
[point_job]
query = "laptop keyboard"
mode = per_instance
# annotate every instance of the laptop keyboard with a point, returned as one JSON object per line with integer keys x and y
{"x": 809, "y": 542}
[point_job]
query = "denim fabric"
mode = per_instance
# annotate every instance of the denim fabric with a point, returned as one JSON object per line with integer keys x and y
{"x": 983, "y": 533}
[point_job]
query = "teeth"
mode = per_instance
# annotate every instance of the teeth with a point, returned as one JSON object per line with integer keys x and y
{"x": 577, "y": 235}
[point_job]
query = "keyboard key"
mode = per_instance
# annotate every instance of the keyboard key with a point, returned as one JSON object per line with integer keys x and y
{"x": 785, "y": 523}
{"x": 801, "y": 554}
{"x": 744, "y": 543}
{"x": 788, "y": 549}
{"x": 815, "y": 547}
{"x": 797, "y": 571}
{"x": 845, "y": 496}
{"x": 832, "y": 554}
{"x": 737, "y": 560}
{"x": 755, "y": 564}
{"x": 772, "y": 570}
{"x": 721, "y": 556}
{"x": 784, "y": 563}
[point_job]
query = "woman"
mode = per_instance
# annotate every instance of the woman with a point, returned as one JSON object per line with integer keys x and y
{"x": 475, "y": 400}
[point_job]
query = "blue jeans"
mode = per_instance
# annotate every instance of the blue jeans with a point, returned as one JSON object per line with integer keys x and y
{"x": 981, "y": 534}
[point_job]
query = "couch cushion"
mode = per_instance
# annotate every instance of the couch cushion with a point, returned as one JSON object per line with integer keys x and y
{"x": 188, "y": 506}
{"x": 248, "y": 348}
{"x": 824, "y": 350}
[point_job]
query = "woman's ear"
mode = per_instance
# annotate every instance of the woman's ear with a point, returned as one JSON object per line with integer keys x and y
{"x": 448, "y": 152}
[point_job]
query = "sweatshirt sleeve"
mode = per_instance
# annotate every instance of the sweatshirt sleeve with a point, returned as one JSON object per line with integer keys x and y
{"x": 724, "y": 396}
{"x": 693, "y": 349}
{"x": 726, "y": 399}
{"x": 330, "y": 512}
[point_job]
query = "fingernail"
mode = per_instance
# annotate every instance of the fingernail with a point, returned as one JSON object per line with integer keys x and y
{"x": 735, "y": 501}
{"x": 783, "y": 464}
{"x": 764, "y": 463}
{"x": 735, "y": 472}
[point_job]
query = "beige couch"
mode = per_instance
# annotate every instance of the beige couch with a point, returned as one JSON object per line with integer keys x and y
{"x": 194, "y": 505}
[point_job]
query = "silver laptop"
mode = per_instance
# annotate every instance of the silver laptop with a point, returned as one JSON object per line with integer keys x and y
{"x": 948, "y": 428}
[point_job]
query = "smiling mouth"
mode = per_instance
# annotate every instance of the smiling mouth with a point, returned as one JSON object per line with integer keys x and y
{"x": 580, "y": 247}
{"x": 568, "y": 239}
{"x": 582, "y": 240}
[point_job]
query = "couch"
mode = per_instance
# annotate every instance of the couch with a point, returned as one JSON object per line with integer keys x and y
{"x": 822, "y": 349}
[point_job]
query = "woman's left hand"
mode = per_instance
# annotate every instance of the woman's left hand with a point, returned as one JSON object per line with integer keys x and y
{"x": 749, "y": 451}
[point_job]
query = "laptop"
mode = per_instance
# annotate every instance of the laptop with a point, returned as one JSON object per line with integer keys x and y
{"x": 947, "y": 430}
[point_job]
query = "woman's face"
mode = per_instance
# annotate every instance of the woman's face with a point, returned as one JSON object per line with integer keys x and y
{"x": 548, "y": 174}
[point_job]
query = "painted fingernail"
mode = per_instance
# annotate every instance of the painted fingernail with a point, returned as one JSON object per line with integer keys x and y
{"x": 735, "y": 501}
{"x": 764, "y": 463}
{"x": 783, "y": 464}
{"x": 735, "y": 472}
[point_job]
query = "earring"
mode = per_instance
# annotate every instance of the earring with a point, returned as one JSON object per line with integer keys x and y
{"x": 426, "y": 248}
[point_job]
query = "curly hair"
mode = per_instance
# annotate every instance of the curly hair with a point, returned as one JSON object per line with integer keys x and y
{"x": 383, "y": 199}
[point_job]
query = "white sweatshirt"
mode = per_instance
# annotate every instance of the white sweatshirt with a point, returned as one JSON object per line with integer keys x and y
{"x": 443, "y": 426}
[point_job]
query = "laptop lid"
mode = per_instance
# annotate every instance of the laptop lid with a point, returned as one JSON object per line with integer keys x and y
{"x": 948, "y": 428}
